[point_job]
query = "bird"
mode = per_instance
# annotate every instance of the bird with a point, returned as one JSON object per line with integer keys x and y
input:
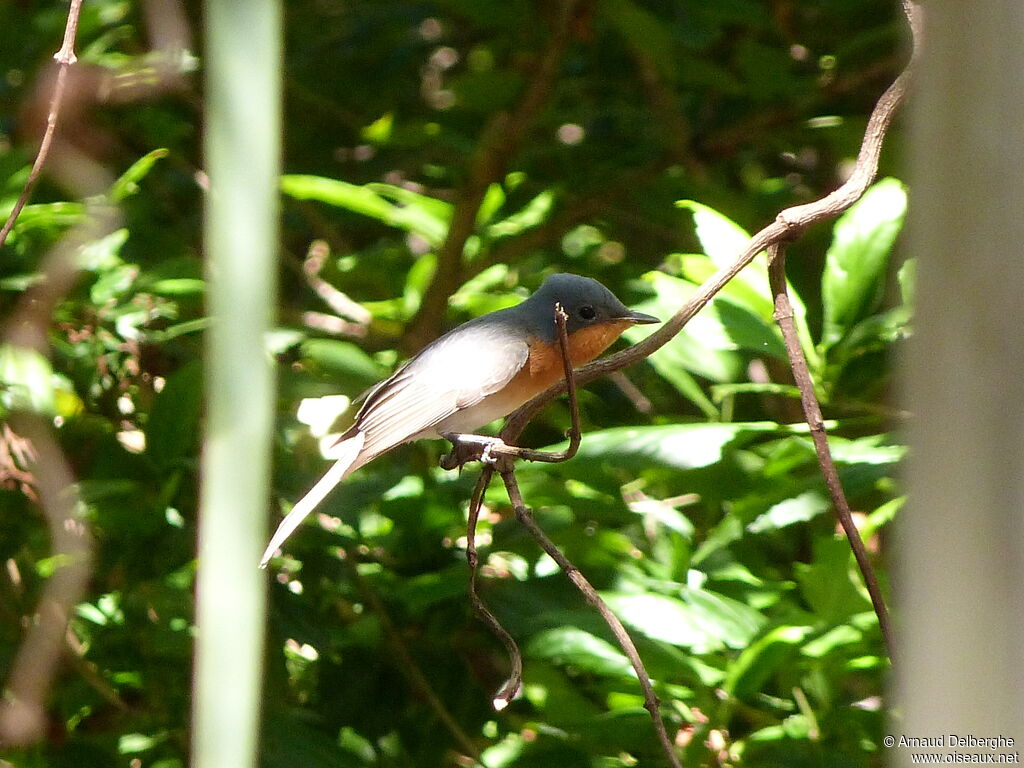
{"x": 480, "y": 371}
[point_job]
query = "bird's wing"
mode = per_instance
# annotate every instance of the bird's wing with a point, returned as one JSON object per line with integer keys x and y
{"x": 455, "y": 372}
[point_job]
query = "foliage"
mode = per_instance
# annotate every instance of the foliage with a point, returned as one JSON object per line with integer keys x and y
{"x": 702, "y": 518}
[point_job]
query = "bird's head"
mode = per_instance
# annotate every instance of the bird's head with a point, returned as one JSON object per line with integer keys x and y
{"x": 587, "y": 303}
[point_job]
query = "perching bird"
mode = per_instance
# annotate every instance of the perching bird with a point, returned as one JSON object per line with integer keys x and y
{"x": 474, "y": 374}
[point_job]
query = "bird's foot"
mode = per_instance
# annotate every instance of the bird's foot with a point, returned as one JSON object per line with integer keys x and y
{"x": 467, "y": 448}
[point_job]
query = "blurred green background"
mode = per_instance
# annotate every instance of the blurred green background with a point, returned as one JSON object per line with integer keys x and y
{"x": 561, "y": 142}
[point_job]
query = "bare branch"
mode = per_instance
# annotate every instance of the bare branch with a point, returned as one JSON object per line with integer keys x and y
{"x": 338, "y": 301}
{"x": 574, "y": 575}
{"x": 812, "y": 413}
{"x": 788, "y": 225}
{"x": 65, "y": 58}
{"x": 22, "y": 713}
{"x": 510, "y": 689}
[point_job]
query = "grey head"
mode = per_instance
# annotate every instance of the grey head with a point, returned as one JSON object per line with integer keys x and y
{"x": 585, "y": 301}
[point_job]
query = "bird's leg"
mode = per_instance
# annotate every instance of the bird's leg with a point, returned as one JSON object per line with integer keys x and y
{"x": 467, "y": 448}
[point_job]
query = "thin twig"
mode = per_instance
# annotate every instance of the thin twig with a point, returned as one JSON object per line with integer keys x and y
{"x": 510, "y": 688}
{"x": 472, "y": 448}
{"x": 574, "y": 433}
{"x": 812, "y": 413}
{"x": 65, "y": 58}
{"x": 468, "y": 447}
{"x": 574, "y": 575}
{"x": 788, "y": 225}
{"x": 503, "y": 462}
{"x": 338, "y": 301}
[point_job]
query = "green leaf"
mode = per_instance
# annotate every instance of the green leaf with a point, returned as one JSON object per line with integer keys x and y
{"x": 48, "y": 216}
{"x": 872, "y": 449}
{"x": 113, "y": 284}
{"x": 831, "y": 585}
{"x": 132, "y": 743}
{"x": 103, "y": 254}
{"x": 832, "y": 640}
{"x": 703, "y": 347}
{"x": 680, "y": 446}
{"x": 379, "y": 131}
{"x": 702, "y": 621}
{"x": 530, "y": 215}
{"x": 352, "y": 197}
{"x": 708, "y": 343}
{"x": 906, "y": 277}
{"x": 482, "y": 293}
{"x": 26, "y": 380}
{"x": 757, "y": 663}
{"x": 178, "y": 286}
{"x": 664, "y": 618}
{"x": 420, "y": 214}
{"x": 799, "y": 509}
{"x": 494, "y": 198}
{"x": 21, "y": 282}
{"x": 735, "y": 623}
{"x": 579, "y": 649}
{"x": 128, "y": 183}
{"x": 697, "y": 267}
{"x": 723, "y": 240}
{"x": 855, "y": 264}
{"x": 180, "y": 329}
{"x": 342, "y": 357}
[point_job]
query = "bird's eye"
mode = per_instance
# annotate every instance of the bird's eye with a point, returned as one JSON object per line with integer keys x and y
{"x": 587, "y": 312}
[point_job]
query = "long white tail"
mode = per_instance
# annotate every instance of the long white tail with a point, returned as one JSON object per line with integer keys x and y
{"x": 348, "y": 453}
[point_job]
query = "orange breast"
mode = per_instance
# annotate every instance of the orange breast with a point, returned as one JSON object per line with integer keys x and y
{"x": 544, "y": 366}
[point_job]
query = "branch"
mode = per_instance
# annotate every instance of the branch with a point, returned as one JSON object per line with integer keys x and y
{"x": 467, "y": 448}
{"x": 65, "y": 58}
{"x": 788, "y": 225}
{"x": 499, "y": 141}
{"x": 574, "y": 575}
{"x": 22, "y": 713}
{"x": 504, "y": 465}
{"x": 812, "y": 413}
{"x": 510, "y": 689}
{"x": 339, "y": 302}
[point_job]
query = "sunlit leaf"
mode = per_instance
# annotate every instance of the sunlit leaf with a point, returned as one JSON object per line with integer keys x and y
{"x": 417, "y": 213}
{"x": 26, "y": 380}
{"x": 855, "y": 264}
{"x": 683, "y": 446}
{"x": 579, "y": 649}
{"x": 768, "y": 653}
{"x": 128, "y": 183}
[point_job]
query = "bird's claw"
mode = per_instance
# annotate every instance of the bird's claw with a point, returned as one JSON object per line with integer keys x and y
{"x": 467, "y": 448}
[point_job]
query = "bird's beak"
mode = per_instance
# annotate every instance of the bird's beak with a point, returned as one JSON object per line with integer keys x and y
{"x": 639, "y": 318}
